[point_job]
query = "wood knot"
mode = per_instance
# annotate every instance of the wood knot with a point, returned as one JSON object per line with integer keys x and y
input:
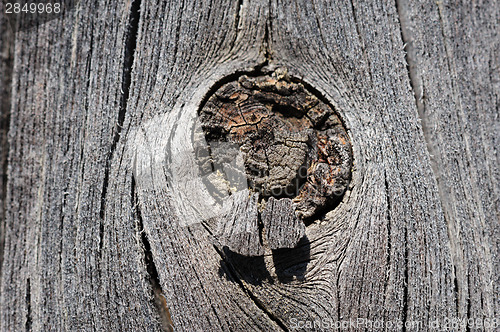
{"x": 295, "y": 156}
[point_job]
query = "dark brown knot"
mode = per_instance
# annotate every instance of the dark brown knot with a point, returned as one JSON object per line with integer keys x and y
{"x": 295, "y": 154}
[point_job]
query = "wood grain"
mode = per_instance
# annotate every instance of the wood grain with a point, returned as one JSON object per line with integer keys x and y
{"x": 458, "y": 102}
{"x": 6, "y": 58}
{"x": 68, "y": 264}
{"x": 109, "y": 227}
{"x": 238, "y": 227}
{"x": 282, "y": 227}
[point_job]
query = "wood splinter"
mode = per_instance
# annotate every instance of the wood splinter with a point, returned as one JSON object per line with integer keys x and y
{"x": 238, "y": 227}
{"x": 282, "y": 226}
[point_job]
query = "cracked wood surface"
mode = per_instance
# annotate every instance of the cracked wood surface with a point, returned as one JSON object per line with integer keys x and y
{"x": 100, "y": 233}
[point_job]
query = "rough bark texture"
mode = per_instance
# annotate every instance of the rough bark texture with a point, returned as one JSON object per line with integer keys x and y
{"x": 109, "y": 227}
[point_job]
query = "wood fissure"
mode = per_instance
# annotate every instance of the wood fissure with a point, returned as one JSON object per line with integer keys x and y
{"x": 238, "y": 278}
{"x": 415, "y": 83}
{"x": 406, "y": 285}
{"x": 239, "y": 8}
{"x": 154, "y": 279}
{"x": 456, "y": 289}
{"x": 389, "y": 240}
{"x": 128, "y": 62}
{"x": 267, "y": 40}
{"x": 28, "y": 318}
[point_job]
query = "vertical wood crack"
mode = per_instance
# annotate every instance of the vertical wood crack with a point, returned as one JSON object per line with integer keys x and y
{"x": 128, "y": 61}
{"x": 415, "y": 83}
{"x": 239, "y": 8}
{"x": 417, "y": 88}
{"x": 154, "y": 279}
{"x": 405, "y": 286}
{"x": 29, "y": 320}
{"x": 389, "y": 244}
{"x": 266, "y": 42}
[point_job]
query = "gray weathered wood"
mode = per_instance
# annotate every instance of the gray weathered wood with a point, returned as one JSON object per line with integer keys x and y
{"x": 104, "y": 230}
{"x": 6, "y": 50}
{"x": 283, "y": 228}
{"x": 238, "y": 227}
{"x": 454, "y": 58}
{"x": 70, "y": 264}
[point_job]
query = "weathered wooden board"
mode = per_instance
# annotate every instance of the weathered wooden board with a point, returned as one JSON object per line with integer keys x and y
{"x": 283, "y": 229}
{"x": 70, "y": 265}
{"x": 108, "y": 227}
{"x": 454, "y": 53}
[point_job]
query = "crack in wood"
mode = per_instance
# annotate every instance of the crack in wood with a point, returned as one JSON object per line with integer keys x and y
{"x": 238, "y": 278}
{"x": 128, "y": 61}
{"x": 239, "y": 8}
{"x": 406, "y": 280}
{"x": 154, "y": 279}
{"x": 29, "y": 319}
{"x": 389, "y": 244}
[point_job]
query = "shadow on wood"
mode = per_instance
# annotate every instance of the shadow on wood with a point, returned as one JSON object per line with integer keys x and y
{"x": 289, "y": 265}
